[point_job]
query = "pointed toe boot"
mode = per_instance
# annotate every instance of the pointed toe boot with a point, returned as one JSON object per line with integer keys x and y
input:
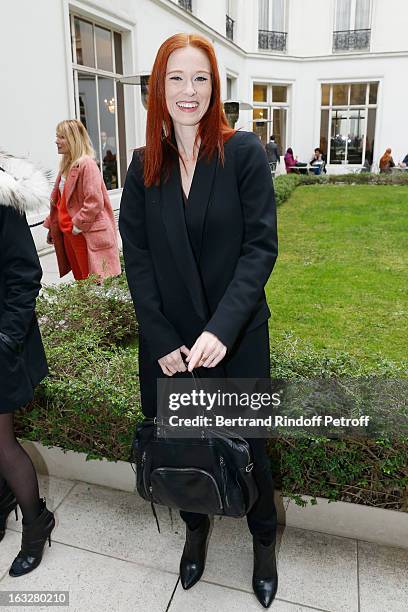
{"x": 8, "y": 503}
{"x": 265, "y": 576}
{"x": 192, "y": 562}
{"x": 35, "y": 535}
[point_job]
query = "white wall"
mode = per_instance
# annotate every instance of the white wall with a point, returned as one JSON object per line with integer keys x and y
{"x": 34, "y": 83}
{"x": 212, "y": 13}
{"x": 310, "y": 30}
{"x": 390, "y": 26}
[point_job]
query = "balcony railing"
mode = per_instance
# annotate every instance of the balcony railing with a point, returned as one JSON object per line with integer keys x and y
{"x": 351, "y": 40}
{"x": 229, "y": 27}
{"x": 275, "y": 41}
{"x": 186, "y": 5}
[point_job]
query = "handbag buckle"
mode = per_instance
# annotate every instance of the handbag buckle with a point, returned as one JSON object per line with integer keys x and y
{"x": 249, "y": 467}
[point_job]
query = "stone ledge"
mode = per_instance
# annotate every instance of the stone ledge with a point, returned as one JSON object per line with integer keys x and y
{"x": 387, "y": 527}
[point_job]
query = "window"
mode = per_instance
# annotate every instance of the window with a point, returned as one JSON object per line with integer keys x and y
{"x": 231, "y": 105}
{"x": 144, "y": 87}
{"x": 186, "y": 5}
{"x": 347, "y": 126}
{"x": 352, "y": 14}
{"x": 271, "y": 15}
{"x": 271, "y": 34}
{"x": 231, "y": 87}
{"x": 99, "y": 101}
{"x": 352, "y": 25}
{"x": 269, "y": 117}
{"x": 229, "y": 19}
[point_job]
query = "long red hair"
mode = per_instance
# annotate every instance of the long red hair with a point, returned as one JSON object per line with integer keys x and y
{"x": 385, "y": 158}
{"x": 213, "y": 130}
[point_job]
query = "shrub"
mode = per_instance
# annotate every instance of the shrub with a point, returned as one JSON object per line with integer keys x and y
{"x": 284, "y": 187}
{"x": 285, "y": 184}
{"x": 89, "y": 403}
{"x": 90, "y": 400}
{"x": 372, "y": 472}
{"x": 369, "y": 472}
{"x": 103, "y": 314}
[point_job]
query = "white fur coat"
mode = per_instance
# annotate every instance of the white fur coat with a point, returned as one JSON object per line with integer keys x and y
{"x": 23, "y": 185}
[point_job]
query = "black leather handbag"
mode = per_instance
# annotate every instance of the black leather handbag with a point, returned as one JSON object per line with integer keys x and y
{"x": 213, "y": 475}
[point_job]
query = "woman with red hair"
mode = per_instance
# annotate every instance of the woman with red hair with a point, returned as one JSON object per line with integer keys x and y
{"x": 386, "y": 162}
{"x": 198, "y": 224}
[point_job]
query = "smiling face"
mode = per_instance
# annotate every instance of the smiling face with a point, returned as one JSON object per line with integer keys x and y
{"x": 188, "y": 85}
{"x": 62, "y": 144}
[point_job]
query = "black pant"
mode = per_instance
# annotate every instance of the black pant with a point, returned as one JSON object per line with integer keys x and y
{"x": 300, "y": 168}
{"x": 262, "y": 518}
{"x": 251, "y": 359}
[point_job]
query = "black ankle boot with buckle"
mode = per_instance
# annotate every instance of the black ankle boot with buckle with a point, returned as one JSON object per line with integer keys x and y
{"x": 35, "y": 534}
{"x": 192, "y": 562}
{"x": 265, "y": 576}
{"x": 8, "y": 503}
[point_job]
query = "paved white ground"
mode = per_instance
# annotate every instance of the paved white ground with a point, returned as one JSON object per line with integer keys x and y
{"x": 106, "y": 551}
{"x": 50, "y": 270}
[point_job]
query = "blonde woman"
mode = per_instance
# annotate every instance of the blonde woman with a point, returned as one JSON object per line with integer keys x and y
{"x": 81, "y": 223}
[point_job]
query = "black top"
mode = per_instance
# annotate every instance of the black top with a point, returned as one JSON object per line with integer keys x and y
{"x": 193, "y": 226}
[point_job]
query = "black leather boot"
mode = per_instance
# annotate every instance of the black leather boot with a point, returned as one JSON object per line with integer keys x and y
{"x": 265, "y": 577}
{"x": 35, "y": 534}
{"x": 7, "y": 503}
{"x": 192, "y": 562}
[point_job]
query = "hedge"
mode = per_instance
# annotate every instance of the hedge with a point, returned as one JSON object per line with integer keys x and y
{"x": 285, "y": 184}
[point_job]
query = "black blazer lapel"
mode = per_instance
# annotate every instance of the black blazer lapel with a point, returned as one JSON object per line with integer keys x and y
{"x": 174, "y": 222}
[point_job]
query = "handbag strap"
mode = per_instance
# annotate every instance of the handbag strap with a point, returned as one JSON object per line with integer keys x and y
{"x": 216, "y": 432}
{"x": 195, "y": 379}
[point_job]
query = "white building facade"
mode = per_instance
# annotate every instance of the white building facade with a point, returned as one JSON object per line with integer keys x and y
{"x": 328, "y": 73}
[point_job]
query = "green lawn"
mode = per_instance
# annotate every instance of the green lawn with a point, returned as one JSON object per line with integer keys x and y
{"x": 341, "y": 278}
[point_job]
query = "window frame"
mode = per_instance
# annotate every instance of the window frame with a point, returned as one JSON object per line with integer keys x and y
{"x": 352, "y": 16}
{"x": 230, "y": 9}
{"x": 271, "y": 106}
{"x": 270, "y": 17}
{"x": 184, "y": 8}
{"x": 347, "y": 107}
{"x": 98, "y": 72}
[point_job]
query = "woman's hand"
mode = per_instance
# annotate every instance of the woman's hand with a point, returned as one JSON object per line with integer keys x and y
{"x": 49, "y": 237}
{"x": 207, "y": 352}
{"x": 173, "y": 362}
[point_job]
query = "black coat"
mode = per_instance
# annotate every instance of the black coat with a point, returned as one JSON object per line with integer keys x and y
{"x": 176, "y": 297}
{"x": 22, "y": 360}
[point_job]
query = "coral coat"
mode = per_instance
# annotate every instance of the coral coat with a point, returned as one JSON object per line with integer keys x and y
{"x": 88, "y": 204}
